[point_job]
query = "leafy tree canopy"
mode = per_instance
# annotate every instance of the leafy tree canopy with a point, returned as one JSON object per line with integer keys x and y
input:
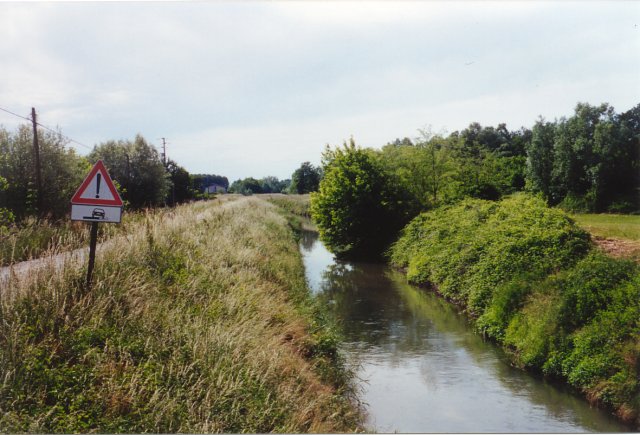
{"x": 137, "y": 167}
{"x": 360, "y": 206}
{"x": 62, "y": 171}
{"x": 250, "y": 185}
{"x": 305, "y": 179}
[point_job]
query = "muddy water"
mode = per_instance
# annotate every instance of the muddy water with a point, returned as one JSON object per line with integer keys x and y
{"x": 422, "y": 368}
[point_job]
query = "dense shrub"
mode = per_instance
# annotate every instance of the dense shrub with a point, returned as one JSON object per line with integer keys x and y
{"x": 359, "y": 209}
{"x": 526, "y": 275}
{"x": 471, "y": 248}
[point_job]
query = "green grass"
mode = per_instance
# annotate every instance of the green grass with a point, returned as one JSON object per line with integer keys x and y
{"x": 198, "y": 321}
{"x": 611, "y": 225}
{"x": 294, "y": 204}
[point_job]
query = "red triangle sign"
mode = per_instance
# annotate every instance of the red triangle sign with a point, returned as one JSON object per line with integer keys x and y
{"x": 97, "y": 188}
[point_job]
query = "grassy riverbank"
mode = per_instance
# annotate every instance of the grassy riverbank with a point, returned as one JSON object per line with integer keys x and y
{"x": 531, "y": 279}
{"x": 198, "y": 321}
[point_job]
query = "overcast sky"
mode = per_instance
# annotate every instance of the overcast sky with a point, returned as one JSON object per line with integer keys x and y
{"x": 256, "y": 88}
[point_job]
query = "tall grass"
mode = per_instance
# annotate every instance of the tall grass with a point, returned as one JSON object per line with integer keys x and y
{"x": 33, "y": 238}
{"x": 294, "y": 204}
{"x": 198, "y": 321}
{"x": 296, "y": 208}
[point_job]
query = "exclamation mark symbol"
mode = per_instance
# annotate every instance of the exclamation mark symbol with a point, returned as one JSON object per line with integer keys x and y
{"x": 99, "y": 177}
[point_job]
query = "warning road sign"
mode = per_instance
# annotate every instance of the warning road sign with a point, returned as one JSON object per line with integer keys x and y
{"x": 97, "y": 189}
{"x": 95, "y": 213}
{"x": 97, "y": 199}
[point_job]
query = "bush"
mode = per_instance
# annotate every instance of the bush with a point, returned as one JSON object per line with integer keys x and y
{"x": 359, "y": 209}
{"x": 471, "y": 248}
{"x": 590, "y": 287}
{"x": 527, "y": 277}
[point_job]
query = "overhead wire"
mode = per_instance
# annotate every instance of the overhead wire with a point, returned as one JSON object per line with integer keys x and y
{"x": 47, "y": 128}
{"x": 15, "y": 114}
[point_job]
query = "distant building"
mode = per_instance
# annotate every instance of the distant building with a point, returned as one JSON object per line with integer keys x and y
{"x": 215, "y": 188}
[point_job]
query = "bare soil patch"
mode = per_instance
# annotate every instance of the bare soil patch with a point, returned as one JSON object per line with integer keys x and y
{"x": 619, "y": 248}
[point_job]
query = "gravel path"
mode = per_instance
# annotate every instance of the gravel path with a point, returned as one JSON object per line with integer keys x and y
{"x": 25, "y": 270}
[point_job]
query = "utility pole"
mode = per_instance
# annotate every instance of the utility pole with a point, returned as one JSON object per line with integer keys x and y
{"x": 37, "y": 155}
{"x": 164, "y": 151}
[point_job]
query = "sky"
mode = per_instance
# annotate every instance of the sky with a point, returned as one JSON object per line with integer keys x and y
{"x": 255, "y": 88}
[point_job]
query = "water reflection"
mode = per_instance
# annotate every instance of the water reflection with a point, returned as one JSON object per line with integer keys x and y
{"x": 426, "y": 370}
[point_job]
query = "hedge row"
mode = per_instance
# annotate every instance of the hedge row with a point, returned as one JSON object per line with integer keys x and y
{"x": 530, "y": 279}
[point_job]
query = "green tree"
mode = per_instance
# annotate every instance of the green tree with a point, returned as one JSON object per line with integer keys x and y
{"x": 424, "y": 168}
{"x": 540, "y": 157}
{"x": 359, "y": 207}
{"x": 595, "y": 159}
{"x": 305, "y": 179}
{"x": 246, "y": 186}
{"x": 271, "y": 184}
{"x": 138, "y": 169}
{"x": 62, "y": 171}
{"x": 6, "y": 216}
{"x": 181, "y": 187}
{"x": 200, "y": 182}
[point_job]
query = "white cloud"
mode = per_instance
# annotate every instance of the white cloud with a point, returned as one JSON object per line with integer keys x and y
{"x": 255, "y": 88}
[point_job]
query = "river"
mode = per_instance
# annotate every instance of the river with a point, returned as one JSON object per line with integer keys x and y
{"x": 420, "y": 366}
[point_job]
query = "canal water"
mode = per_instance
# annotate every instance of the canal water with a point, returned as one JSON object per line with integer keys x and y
{"x": 420, "y": 366}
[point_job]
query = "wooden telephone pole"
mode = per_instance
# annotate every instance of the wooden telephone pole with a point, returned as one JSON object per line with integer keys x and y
{"x": 164, "y": 151}
{"x": 36, "y": 149}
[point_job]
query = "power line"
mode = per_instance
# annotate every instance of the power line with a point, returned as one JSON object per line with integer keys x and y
{"x": 48, "y": 128}
{"x": 64, "y": 136}
{"x": 15, "y": 114}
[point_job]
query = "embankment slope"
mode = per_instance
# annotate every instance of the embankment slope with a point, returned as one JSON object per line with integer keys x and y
{"x": 531, "y": 279}
{"x": 198, "y": 321}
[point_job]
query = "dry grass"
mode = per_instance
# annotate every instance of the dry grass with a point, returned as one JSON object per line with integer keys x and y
{"x": 199, "y": 321}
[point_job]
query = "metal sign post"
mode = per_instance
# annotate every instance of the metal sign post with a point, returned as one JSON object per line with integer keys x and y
{"x": 95, "y": 201}
{"x": 92, "y": 252}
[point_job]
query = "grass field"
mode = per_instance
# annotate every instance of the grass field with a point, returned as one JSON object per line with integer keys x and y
{"x": 199, "y": 321}
{"x": 615, "y": 226}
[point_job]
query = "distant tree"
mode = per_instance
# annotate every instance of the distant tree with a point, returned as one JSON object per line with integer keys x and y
{"x": 540, "y": 157}
{"x": 286, "y": 185}
{"x": 246, "y": 186}
{"x": 589, "y": 161}
{"x": 624, "y": 174}
{"x": 200, "y": 182}
{"x": 138, "y": 169}
{"x": 423, "y": 168}
{"x": 359, "y": 207}
{"x": 181, "y": 187}
{"x": 271, "y": 184}
{"x": 404, "y": 142}
{"x": 305, "y": 179}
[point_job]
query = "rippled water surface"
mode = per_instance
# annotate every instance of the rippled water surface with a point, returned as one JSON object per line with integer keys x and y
{"x": 424, "y": 370}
